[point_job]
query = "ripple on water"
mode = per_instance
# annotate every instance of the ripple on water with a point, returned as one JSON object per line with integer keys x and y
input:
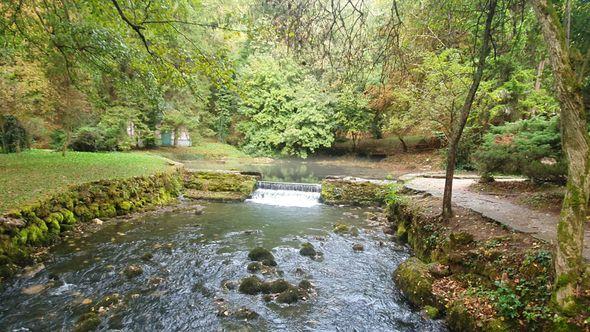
{"x": 181, "y": 284}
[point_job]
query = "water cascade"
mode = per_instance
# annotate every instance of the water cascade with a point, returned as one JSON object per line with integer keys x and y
{"x": 286, "y": 194}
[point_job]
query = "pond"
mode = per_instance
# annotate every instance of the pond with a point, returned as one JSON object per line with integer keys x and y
{"x": 297, "y": 170}
{"x": 183, "y": 286}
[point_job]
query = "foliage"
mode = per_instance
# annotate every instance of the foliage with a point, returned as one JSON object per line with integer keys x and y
{"x": 284, "y": 109}
{"x": 353, "y": 116}
{"x": 89, "y": 139}
{"x": 13, "y": 135}
{"x": 529, "y": 147}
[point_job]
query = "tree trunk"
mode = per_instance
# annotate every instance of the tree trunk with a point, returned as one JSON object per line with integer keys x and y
{"x": 404, "y": 145}
{"x": 569, "y": 262}
{"x": 540, "y": 69}
{"x": 175, "y": 137}
{"x": 64, "y": 147}
{"x": 464, "y": 114}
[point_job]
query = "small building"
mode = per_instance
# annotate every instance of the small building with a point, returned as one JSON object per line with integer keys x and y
{"x": 167, "y": 137}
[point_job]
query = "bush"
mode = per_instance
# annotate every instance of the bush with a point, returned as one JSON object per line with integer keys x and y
{"x": 13, "y": 136}
{"x": 527, "y": 147}
{"x": 88, "y": 139}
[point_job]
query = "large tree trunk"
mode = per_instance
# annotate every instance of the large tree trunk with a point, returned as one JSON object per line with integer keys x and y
{"x": 404, "y": 145}
{"x": 569, "y": 261}
{"x": 459, "y": 125}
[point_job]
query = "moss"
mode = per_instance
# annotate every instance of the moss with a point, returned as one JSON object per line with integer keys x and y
{"x": 290, "y": 295}
{"x": 263, "y": 255}
{"x": 460, "y": 239}
{"x": 415, "y": 281}
{"x": 402, "y": 232}
{"x": 87, "y": 322}
{"x": 254, "y": 267}
{"x": 305, "y": 284}
{"x": 132, "y": 271}
{"x": 307, "y": 249}
{"x": 431, "y": 312}
{"x": 340, "y": 228}
{"x": 125, "y": 206}
{"x": 359, "y": 193}
{"x": 278, "y": 286}
{"x": 251, "y": 286}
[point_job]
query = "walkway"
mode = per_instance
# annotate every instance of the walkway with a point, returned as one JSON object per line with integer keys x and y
{"x": 540, "y": 225}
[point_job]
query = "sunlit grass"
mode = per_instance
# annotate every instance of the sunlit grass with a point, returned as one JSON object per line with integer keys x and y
{"x": 26, "y": 176}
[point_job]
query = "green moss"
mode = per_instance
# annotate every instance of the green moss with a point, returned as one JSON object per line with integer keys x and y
{"x": 251, "y": 286}
{"x": 278, "y": 286}
{"x": 359, "y": 193}
{"x": 415, "y": 281}
{"x": 307, "y": 249}
{"x": 431, "y": 312}
{"x": 254, "y": 267}
{"x": 263, "y": 255}
{"x": 87, "y": 322}
{"x": 340, "y": 228}
{"x": 290, "y": 295}
{"x": 126, "y": 206}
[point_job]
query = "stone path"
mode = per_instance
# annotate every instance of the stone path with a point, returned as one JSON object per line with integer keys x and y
{"x": 540, "y": 225}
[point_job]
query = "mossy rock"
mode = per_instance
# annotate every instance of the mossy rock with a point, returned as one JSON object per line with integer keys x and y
{"x": 290, "y": 295}
{"x": 460, "y": 319}
{"x": 125, "y": 206}
{"x": 254, "y": 267}
{"x": 260, "y": 254}
{"x": 305, "y": 284}
{"x": 307, "y": 249}
{"x": 278, "y": 286}
{"x": 415, "y": 281}
{"x": 340, "y": 228}
{"x": 251, "y": 285}
{"x": 358, "y": 193}
{"x": 87, "y": 322}
{"x": 132, "y": 271}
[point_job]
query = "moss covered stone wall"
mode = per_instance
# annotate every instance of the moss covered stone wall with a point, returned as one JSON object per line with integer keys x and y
{"x": 353, "y": 192}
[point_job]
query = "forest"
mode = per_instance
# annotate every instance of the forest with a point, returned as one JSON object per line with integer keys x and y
{"x": 494, "y": 87}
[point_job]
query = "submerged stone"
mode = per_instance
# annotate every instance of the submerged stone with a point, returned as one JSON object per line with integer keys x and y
{"x": 147, "y": 256}
{"x": 305, "y": 284}
{"x": 278, "y": 286}
{"x": 245, "y": 313}
{"x": 132, "y": 271}
{"x": 87, "y": 322}
{"x": 307, "y": 249}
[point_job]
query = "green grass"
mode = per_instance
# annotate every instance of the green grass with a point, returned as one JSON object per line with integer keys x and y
{"x": 27, "y": 176}
{"x": 203, "y": 150}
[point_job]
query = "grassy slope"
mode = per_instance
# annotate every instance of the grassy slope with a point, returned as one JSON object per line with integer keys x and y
{"x": 29, "y": 175}
{"x": 203, "y": 150}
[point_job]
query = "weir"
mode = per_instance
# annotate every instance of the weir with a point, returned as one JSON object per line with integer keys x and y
{"x": 286, "y": 194}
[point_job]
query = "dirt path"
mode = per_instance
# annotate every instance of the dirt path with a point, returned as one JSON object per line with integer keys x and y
{"x": 540, "y": 225}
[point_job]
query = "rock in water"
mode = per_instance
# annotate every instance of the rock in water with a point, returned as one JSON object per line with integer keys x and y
{"x": 132, "y": 271}
{"x": 199, "y": 210}
{"x": 97, "y": 221}
{"x": 307, "y": 249}
{"x": 35, "y": 289}
{"x": 263, "y": 255}
{"x": 358, "y": 247}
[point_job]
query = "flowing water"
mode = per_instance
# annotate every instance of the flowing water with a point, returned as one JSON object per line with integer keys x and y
{"x": 181, "y": 287}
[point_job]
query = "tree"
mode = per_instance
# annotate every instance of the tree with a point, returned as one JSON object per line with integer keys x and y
{"x": 353, "y": 114}
{"x": 569, "y": 261}
{"x": 459, "y": 124}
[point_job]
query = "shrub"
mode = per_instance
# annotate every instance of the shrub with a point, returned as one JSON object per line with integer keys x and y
{"x": 88, "y": 139}
{"x": 527, "y": 147}
{"x": 13, "y": 136}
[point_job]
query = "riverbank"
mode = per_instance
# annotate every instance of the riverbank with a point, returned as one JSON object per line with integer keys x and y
{"x": 477, "y": 273}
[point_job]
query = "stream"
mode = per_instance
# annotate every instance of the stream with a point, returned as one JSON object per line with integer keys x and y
{"x": 182, "y": 286}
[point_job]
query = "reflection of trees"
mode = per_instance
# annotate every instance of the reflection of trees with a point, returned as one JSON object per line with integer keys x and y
{"x": 289, "y": 172}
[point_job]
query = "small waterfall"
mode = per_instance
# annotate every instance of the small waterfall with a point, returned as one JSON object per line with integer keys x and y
{"x": 286, "y": 194}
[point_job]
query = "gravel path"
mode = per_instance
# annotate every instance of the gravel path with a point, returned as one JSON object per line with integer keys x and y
{"x": 540, "y": 225}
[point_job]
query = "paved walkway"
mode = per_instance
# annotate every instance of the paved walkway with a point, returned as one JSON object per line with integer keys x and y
{"x": 540, "y": 225}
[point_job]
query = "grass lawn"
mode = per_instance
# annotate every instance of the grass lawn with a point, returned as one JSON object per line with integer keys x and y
{"x": 26, "y": 176}
{"x": 202, "y": 150}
